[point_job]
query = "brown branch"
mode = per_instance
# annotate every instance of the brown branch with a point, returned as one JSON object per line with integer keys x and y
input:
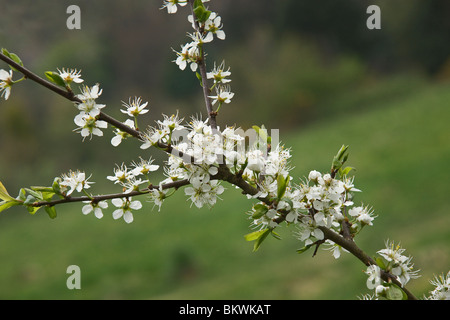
{"x": 69, "y": 199}
{"x": 32, "y": 76}
{"x": 202, "y": 68}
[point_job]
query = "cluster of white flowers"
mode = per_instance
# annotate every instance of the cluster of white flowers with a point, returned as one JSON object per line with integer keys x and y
{"x": 74, "y": 180}
{"x": 442, "y": 288}
{"x": 393, "y": 261}
{"x": 398, "y": 264}
{"x": 124, "y": 176}
{"x": 133, "y": 108}
{"x": 198, "y": 142}
{"x": 319, "y": 201}
{"x": 129, "y": 178}
{"x": 191, "y": 53}
{"x": 86, "y": 120}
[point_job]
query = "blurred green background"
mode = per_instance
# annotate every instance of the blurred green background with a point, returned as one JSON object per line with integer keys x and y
{"x": 311, "y": 69}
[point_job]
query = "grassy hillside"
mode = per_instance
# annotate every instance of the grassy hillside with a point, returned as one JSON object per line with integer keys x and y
{"x": 401, "y": 151}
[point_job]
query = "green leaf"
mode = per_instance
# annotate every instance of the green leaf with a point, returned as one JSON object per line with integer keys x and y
{"x": 55, "y": 186}
{"x": 4, "y": 195}
{"x": 199, "y": 77}
{"x": 200, "y": 11}
{"x": 340, "y": 158}
{"x": 258, "y": 236}
{"x": 8, "y": 204}
{"x": 47, "y": 196}
{"x": 275, "y": 235}
{"x": 55, "y": 78}
{"x": 51, "y": 211}
{"x": 395, "y": 293}
{"x": 22, "y": 195}
{"x": 13, "y": 57}
{"x": 32, "y": 210}
{"x": 260, "y": 210}
{"x": 36, "y": 194}
{"x": 262, "y": 134}
{"x": 282, "y": 185}
{"x": 345, "y": 171}
{"x": 255, "y": 235}
{"x": 380, "y": 263}
{"x": 30, "y": 200}
{"x": 304, "y": 249}
{"x": 261, "y": 239}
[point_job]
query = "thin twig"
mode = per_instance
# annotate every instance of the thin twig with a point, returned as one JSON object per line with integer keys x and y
{"x": 175, "y": 184}
{"x": 202, "y": 68}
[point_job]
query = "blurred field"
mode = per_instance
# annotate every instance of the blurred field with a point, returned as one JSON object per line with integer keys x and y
{"x": 401, "y": 150}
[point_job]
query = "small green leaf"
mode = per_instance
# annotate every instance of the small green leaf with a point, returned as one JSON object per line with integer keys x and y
{"x": 275, "y": 235}
{"x": 282, "y": 185}
{"x": 51, "y": 211}
{"x": 255, "y": 235}
{"x": 36, "y": 194}
{"x": 260, "y": 210}
{"x": 340, "y": 158}
{"x": 13, "y": 57}
{"x": 200, "y": 11}
{"x": 8, "y": 204}
{"x": 345, "y": 171}
{"x": 199, "y": 77}
{"x": 22, "y": 195}
{"x": 55, "y": 186}
{"x": 29, "y": 200}
{"x": 55, "y": 78}
{"x": 4, "y": 195}
{"x": 394, "y": 293}
{"x": 261, "y": 239}
{"x": 380, "y": 263}
{"x": 41, "y": 189}
{"x": 258, "y": 237}
{"x": 32, "y": 210}
{"x": 305, "y": 248}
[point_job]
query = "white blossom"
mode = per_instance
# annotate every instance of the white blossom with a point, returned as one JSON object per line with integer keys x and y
{"x": 171, "y": 5}
{"x": 125, "y": 205}
{"x": 144, "y": 167}
{"x": 219, "y": 74}
{"x": 5, "y": 83}
{"x": 442, "y": 288}
{"x": 88, "y": 97}
{"x": 120, "y": 135}
{"x": 224, "y": 95}
{"x": 374, "y": 280}
{"x": 69, "y": 76}
{"x": 89, "y": 125}
{"x": 95, "y": 207}
{"x": 397, "y": 263}
{"x": 74, "y": 180}
{"x": 134, "y": 107}
{"x": 214, "y": 26}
